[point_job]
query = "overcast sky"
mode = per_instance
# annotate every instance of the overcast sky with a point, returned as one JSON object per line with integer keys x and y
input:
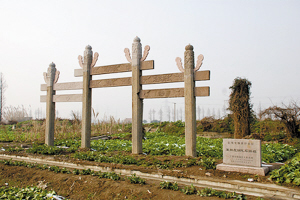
{"x": 258, "y": 40}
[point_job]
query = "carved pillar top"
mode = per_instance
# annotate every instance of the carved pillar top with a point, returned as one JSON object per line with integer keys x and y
{"x": 52, "y": 75}
{"x": 189, "y": 47}
{"x": 88, "y": 58}
{"x": 189, "y": 57}
{"x": 136, "y": 51}
{"x": 88, "y": 50}
{"x": 137, "y": 39}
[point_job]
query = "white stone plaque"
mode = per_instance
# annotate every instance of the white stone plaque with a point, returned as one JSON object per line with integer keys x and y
{"x": 242, "y": 152}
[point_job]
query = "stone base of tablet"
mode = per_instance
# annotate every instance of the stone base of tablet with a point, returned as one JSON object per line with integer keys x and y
{"x": 262, "y": 171}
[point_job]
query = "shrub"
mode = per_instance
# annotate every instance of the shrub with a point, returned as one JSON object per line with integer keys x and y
{"x": 14, "y": 149}
{"x": 45, "y": 150}
{"x": 239, "y": 104}
{"x": 189, "y": 190}
{"x": 25, "y": 193}
{"x": 109, "y": 175}
{"x": 136, "y": 180}
{"x": 288, "y": 173}
{"x": 209, "y": 192}
{"x": 276, "y": 152}
{"x": 208, "y": 163}
{"x": 169, "y": 185}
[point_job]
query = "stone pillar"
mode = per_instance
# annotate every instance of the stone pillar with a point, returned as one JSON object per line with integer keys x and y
{"x": 137, "y": 102}
{"x": 190, "y": 102}
{"x": 86, "y": 99}
{"x": 50, "y": 105}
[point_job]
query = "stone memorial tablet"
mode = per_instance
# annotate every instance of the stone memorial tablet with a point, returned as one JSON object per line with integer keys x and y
{"x": 242, "y": 152}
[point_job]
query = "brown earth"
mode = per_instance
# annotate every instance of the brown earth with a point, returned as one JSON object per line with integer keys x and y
{"x": 88, "y": 187}
{"x": 177, "y": 172}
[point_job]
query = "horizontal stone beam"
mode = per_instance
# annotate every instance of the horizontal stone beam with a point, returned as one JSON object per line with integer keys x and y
{"x": 151, "y": 79}
{"x": 114, "y": 82}
{"x": 109, "y": 69}
{"x": 202, "y": 75}
{"x": 174, "y": 77}
{"x": 64, "y": 86}
{"x": 172, "y": 92}
{"x": 64, "y": 98}
{"x": 202, "y": 91}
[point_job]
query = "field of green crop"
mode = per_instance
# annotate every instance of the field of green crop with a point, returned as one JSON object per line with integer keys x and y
{"x": 25, "y": 193}
{"x": 156, "y": 144}
{"x": 163, "y": 144}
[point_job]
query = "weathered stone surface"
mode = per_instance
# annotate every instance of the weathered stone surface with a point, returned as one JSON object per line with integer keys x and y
{"x": 171, "y": 93}
{"x": 137, "y": 102}
{"x": 50, "y": 117}
{"x": 174, "y": 77}
{"x": 78, "y": 72}
{"x": 52, "y": 75}
{"x": 202, "y": 75}
{"x": 64, "y": 86}
{"x": 108, "y": 69}
{"x": 262, "y": 171}
{"x": 179, "y": 64}
{"x": 244, "y": 156}
{"x": 136, "y": 65}
{"x": 151, "y": 79}
{"x": 202, "y": 91}
{"x": 146, "y": 52}
{"x": 199, "y": 62}
{"x": 64, "y": 98}
{"x": 50, "y": 105}
{"x": 162, "y": 93}
{"x": 162, "y": 78}
{"x": 190, "y": 102}
{"x": 242, "y": 152}
{"x": 114, "y": 82}
{"x": 86, "y": 99}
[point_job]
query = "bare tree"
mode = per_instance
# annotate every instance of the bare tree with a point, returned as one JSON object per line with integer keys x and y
{"x": 76, "y": 115}
{"x": 174, "y": 112}
{"x": 208, "y": 113}
{"x": 180, "y": 111}
{"x": 153, "y": 114}
{"x": 224, "y": 110}
{"x": 95, "y": 116}
{"x": 3, "y": 87}
{"x": 30, "y": 111}
{"x": 150, "y": 115}
{"x": 213, "y": 113}
{"x": 160, "y": 112}
{"x": 289, "y": 115}
{"x": 15, "y": 113}
{"x": 56, "y": 114}
{"x": 38, "y": 113}
{"x": 260, "y": 113}
{"x": 169, "y": 113}
{"x": 198, "y": 112}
